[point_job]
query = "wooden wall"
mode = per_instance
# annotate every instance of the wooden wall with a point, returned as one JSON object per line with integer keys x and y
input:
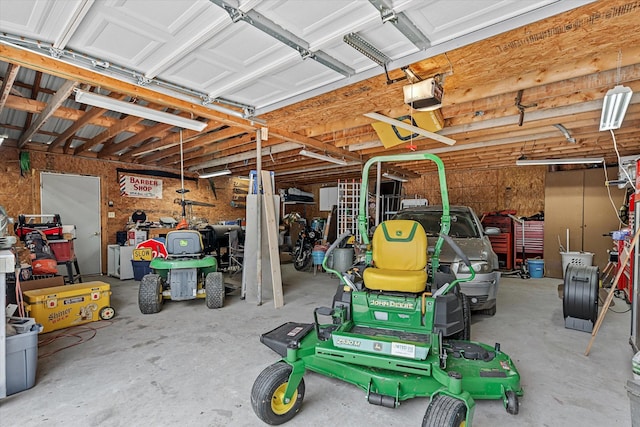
{"x": 517, "y": 188}
{"x": 520, "y": 189}
{"x": 21, "y": 194}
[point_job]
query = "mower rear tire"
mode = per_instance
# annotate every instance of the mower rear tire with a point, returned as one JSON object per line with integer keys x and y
{"x": 268, "y": 392}
{"x": 445, "y": 411}
{"x": 465, "y": 333}
{"x": 150, "y": 294}
{"x": 214, "y": 290}
{"x": 512, "y": 405}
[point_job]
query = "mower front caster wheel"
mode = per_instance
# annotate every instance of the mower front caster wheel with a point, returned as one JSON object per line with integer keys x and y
{"x": 267, "y": 395}
{"x": 445, "y": 411}
{"x": 512, "y": 405}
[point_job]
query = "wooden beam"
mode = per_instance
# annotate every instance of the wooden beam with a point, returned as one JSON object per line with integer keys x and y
{"x": 272, "y": 238}
{"x": 7, "y": 83}
{"x": 67, "y": 71}
{"x": 61, "y": 95}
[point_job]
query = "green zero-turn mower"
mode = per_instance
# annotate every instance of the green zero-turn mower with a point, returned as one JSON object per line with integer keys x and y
{"x": 400, "y": 332}
{"x": 186, "y": 273}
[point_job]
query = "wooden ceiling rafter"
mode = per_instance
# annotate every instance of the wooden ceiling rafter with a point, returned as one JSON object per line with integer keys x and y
{"x": 56, "y": 100}
{"x": 7, "y": 84}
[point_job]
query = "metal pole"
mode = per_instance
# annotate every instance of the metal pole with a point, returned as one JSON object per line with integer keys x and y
{"x": 259, "y": 214}
{"x": 378, "y": 178}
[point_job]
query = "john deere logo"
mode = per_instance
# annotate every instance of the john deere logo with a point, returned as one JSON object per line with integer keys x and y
{"x": 398, "y": 233}
{"x": 184, "y": 243}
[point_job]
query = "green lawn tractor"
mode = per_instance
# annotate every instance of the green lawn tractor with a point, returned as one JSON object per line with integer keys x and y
{"x": 400, "y": 332}
{"x": 187, "y": 273}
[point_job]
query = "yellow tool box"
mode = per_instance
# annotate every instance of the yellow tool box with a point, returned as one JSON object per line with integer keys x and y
{"x": 60, "y": 307}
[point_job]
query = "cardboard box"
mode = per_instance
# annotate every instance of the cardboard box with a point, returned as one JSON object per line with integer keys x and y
{"x": 64, "y": 306}
{"x": 49, "y": 282}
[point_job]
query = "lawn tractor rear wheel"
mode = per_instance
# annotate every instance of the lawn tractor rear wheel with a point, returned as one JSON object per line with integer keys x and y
{"x": 267, "y": 395}
{"x": 445, "y": 411}
{"x": 150, "y": 294}
{"x": 214, "y": 290}
{"x": 512, "y": 405}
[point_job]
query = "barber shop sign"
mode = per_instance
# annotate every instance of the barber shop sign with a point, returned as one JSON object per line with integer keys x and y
{"x": 136, "y": 186}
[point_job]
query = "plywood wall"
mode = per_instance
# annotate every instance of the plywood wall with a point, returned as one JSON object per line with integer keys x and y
{"x": 519, "y": 189}
{"x": 21, "y": 193}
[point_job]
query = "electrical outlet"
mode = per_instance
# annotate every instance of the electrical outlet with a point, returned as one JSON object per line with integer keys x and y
{"x": 111, "y": 215}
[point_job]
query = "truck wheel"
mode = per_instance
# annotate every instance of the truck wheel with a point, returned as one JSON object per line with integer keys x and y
{"x": 150, "y": 294}
{"x": 445, "y": 411}
{"x": 214, "y": 290}
{"x": 268, "y": 392}
{"x": 490, "y": 311}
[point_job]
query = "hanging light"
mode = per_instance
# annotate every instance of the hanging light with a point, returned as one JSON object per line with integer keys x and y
{"x": 614, "y": 107}
{"x": 132, "y": 109}
{"x": 215, "y": 173}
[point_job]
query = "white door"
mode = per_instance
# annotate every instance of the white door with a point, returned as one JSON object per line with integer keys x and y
{"x": 77, "y": 199}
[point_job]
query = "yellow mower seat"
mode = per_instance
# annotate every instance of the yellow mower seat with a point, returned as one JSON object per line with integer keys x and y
{"x": 399, "y": 257}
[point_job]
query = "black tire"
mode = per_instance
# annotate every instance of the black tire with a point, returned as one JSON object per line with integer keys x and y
{"x": 302, "y": 261}
{"x": 490, "y": 311}
{"x": 150, "y": 294}
{"x": 106, "y": 313}
{"x": 214, "y": 290}
{"x": 267, "y": 392}
{"x": 465, "y": 333}
{"x": 445, "y": 411}
{"x": 513, "y": 405}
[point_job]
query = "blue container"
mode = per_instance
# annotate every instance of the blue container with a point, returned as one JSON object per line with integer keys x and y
{"x": 140, "y": 269}
{"x": 318, "y": 257}
{"x": 536, "y": 268}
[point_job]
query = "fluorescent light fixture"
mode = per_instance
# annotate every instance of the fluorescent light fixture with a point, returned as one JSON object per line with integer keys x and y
{"x": 215, "y": 173}
{"x": 574, "y": 161}
{"x": 614, "y": 107}
{"x": 415, "y": 129}
{"x": 132, "y": 109}
{"x": 395, "y": 177}
{"x": 319, "y": 156}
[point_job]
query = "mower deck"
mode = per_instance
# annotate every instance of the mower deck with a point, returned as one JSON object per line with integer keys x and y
{"x": 394, "y": 363}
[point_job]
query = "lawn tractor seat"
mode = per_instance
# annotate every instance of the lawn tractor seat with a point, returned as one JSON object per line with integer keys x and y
{"x": 399, "y": 256}
{"x": 184, "y": 243}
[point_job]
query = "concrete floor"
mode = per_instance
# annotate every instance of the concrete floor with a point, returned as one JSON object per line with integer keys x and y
{"x": 189, "y": 365}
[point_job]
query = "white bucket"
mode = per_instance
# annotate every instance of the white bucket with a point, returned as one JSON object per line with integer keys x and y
{"x": 576, "y": 258}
